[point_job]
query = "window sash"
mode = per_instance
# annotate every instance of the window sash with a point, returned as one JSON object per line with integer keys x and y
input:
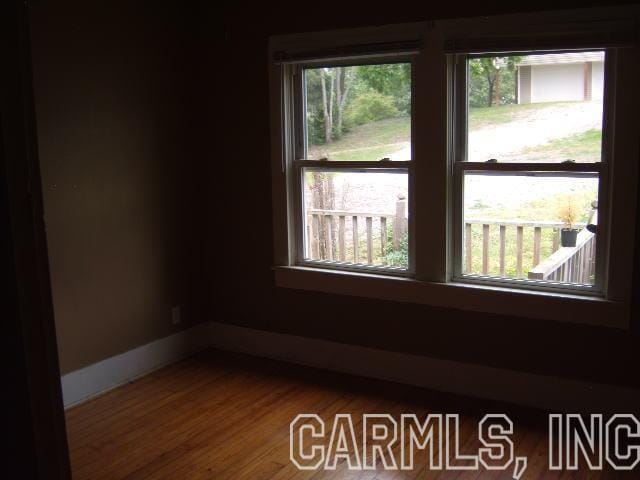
{"x": 300, "y": 166}
{"x": 300, "y": 100}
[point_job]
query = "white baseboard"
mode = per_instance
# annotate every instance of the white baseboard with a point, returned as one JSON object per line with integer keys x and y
{"x": 83, "y": 384}
{"x": 467, "y": 379}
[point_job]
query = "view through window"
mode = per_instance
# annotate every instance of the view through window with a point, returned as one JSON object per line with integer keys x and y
{"x": 360, "y": 112}
{"x": 357, "y": 214}
{"x": 520, "y": 222}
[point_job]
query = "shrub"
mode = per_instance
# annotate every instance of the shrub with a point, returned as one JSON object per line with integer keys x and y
{"x": 399, "y": 257}
{"x": 370, "y": 107}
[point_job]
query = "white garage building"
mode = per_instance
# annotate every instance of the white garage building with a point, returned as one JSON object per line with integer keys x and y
{"x": 561, "y": 77}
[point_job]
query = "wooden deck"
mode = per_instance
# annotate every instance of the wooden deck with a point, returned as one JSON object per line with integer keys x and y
{"x": 220, "y": 415}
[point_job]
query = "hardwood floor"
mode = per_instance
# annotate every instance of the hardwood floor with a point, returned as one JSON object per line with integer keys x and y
{"x": 219, "y": 415}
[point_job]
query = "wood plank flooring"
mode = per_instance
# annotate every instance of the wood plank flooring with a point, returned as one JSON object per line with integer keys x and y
{"x": 226, "y": 416}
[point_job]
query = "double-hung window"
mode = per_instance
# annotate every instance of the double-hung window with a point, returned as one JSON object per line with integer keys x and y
{"x": 352, "y": 165}
{"x": 483, "y": 164}
{"x": 529, "y": 171}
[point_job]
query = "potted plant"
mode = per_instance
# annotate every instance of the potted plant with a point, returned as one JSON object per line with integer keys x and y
{"x": 568, "y": 214}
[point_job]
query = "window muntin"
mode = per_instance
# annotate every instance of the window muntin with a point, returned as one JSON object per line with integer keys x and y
{"x": 512, "y": 201}
{"x": 358, "y": 112}
{"x": 540, "y": 107}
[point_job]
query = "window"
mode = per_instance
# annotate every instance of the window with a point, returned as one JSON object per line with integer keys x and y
{"x": 489, "y": 164}
{"x": 354, "y": 165}
{"x": 527, "y": 166}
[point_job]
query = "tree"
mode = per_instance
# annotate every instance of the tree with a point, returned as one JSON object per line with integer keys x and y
{"x": 344, "y": 80}
{"x": 392, "y": 79}
{"x": 327, "y": 105}
{"x": 493, "y": 69}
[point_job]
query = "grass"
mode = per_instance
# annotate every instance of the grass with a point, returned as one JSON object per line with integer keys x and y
{"x": 582, "y": 147}
{"x": 544, "y": 209}
{"x": 371, "y": 141}
{"x": 361, "y": 154}
{"x": 480, "y": 117}
{"x": 376, "y": 140}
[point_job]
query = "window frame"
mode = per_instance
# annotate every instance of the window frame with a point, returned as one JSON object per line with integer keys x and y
{"x": 301, "y": 162}
{"x": 431, "y": 280}
{"x": 458, "y": 76}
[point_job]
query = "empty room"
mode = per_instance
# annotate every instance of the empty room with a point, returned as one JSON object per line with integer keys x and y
{"x": 341, "y": 241}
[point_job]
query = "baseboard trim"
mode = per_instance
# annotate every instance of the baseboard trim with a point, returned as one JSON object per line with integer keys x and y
{"x": 98, "y": 378}
{"x": 540, "y": 391}
{"x": 528, "y": 389}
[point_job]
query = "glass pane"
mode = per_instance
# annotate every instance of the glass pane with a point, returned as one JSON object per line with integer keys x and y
{"x": 536, "y": 108}
{"x": 530, "y": 227}
{"x": 356, "y": 217}
{"x": 359, "y": 112}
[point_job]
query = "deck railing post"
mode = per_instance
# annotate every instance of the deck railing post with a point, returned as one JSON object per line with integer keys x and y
{"x": 399, "y": 223}
{"x": 341, "y": 239}
{"x": 468, "y": 242}
{"x": 356, "y": 240}
{"x": 485, "y": 249}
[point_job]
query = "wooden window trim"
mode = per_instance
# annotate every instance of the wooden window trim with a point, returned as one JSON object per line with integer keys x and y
{"x": 431, "y": 279}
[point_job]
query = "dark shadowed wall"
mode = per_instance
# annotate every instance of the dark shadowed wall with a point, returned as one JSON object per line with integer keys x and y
{"x": 115, "y": 92}
{"x": 244, "y": 260}
{"x": 153, "y": 125}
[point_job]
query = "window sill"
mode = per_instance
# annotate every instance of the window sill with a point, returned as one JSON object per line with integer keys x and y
{"x": 462, "y": 296}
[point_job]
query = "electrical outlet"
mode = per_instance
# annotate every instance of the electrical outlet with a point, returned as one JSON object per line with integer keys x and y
{"x": 175, "y": 315}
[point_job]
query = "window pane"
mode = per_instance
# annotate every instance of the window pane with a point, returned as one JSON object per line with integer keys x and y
{"x": 356, "y": 217}
{"x": 536, "y": 108}
{"x": 359, "y": 112}
{"x": 530, "y": 227}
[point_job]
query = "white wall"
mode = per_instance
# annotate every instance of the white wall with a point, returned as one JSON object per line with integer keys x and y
{"x": 597, "y": 80}
{"x": 556, "y": 83}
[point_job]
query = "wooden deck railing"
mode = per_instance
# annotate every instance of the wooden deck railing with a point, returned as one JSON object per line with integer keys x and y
{"x": 334, "y": 235}
{"x": 502, "y": 225}
{"x": 571, "y": 264}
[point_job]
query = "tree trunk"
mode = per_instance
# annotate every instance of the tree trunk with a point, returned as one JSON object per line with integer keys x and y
{"x": 323, "y": 198}
{"x": 328, "y": 127}
{"x": 490, "y": 92}
{"x": 339, "y": 77}
{"x": 497, "y": 79}
{"x": 331, "y": 98}
{"x": 343, "y": 84}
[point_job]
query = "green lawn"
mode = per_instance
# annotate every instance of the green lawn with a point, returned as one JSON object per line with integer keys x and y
{"x": 582, "y": 147}
{"x": 376, "y": 140}
{"x": 487, "y": 116}
{"x": 371, "y": 141}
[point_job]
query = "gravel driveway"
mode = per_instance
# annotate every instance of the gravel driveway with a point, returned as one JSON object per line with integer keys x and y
{"x": 505, "y": 141}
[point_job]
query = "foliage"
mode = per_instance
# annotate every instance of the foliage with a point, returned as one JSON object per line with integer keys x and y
{"x": 492, "y": 81}
{"x": 581, "y": 147}
{"x": 339, "y": 98}
{"x": 371, "y": 107}
{"x": 393, "y": 80}
{"x": 567, "y": 210}
{"x": 315, "y": 128}
{"x": 397, "y": 257}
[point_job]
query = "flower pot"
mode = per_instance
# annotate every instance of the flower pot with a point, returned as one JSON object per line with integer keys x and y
{"x": 568, "y": 237}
